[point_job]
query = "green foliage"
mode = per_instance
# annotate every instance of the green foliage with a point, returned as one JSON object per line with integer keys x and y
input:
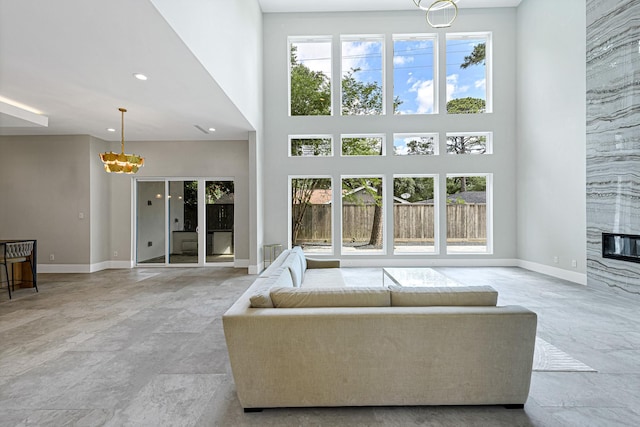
{"x": 320, "y": 146}
{"x": 461, "y": 184}
{"x": 215, "y": 190}
{"x": 419, "y": 189}
{"x": 477, "y": 56}
{"x": 419, "y": 146}
{"x": 371, "y": 186}
{"x": 361, "y": 146}
{"x": 467, "y": 144}
{"x": 310, "y": 90}
{"x": 466, "y": 106}
{"x": 360, "y": 98}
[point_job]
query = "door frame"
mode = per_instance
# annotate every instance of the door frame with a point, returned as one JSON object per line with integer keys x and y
{"x": 202, "y": 216}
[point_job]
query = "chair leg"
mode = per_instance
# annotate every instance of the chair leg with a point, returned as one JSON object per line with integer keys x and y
{"x": 6, "y": 272}
{"x": 34, "y": 279}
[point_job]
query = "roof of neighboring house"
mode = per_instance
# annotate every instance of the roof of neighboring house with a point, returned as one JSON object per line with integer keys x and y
{"x": 320, "y": 197}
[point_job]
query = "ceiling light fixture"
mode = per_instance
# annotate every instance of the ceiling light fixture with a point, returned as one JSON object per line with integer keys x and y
{"x": 121, "y": 163}
{"x": 140, "y": 76}
{"x": 440, "y": 13}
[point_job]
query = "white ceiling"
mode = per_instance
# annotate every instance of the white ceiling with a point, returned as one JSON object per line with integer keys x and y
{"x": 73, "y": 61}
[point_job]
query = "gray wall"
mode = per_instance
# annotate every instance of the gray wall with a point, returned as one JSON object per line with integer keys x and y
{"x": 100, "y": 196}
{"x": 278, "y": 125}
{"x": 45, "y": 187}
{"x": 613, "y": 136}
{"x": 48, "y": 181}
{"x": 551, "y": 137}
{"x": 183, "y": 159}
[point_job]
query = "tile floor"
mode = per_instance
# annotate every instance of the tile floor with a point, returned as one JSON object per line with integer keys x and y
{"x": 145, "y": 347}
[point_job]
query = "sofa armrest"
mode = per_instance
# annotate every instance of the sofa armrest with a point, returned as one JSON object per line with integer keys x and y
{"x": 323, "y": 263}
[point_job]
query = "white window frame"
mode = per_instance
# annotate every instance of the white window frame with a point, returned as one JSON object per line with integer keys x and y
{"x": 382, "y": 251}
{"x": 333, "y": 209}
{"x": 309, "y": 39}
{"x": 489, "y": 203}
{"x": 436, "y": 86}
{"x": 434, "y": 135}
{"x": 488, "y": 135}
{"x": 382, "y": 136}
{"x": 364, "y": 38}
{"x": 436, "y": 215}
{"x": 488, "y": 36}
{"x": 315, "y": 136}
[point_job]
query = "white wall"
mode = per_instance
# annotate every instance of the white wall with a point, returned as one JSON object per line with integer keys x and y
{"x": 226, "y": 37}
{"x": 44, "y": 187}
{"x": 552, "y": 136}
{"x": 278, "y": 125}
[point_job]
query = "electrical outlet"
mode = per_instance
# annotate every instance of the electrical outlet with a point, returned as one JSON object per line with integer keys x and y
{"x": 555, "y": 260}
{"x": 574, "y": 263}
{"x": 115, "y": 254}
{"x": 52, "y": 257}
{"x": 149, "y": 244}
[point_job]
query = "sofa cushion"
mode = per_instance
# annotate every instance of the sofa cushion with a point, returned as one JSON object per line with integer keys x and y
{"x": 406, "y": 296}
{"x": 330, "y": 297}
{"x": 323, "y": 278}
{"x": 295, "y": 267}
{"x": 277, "y": 263}
{"x": 262, "y": 287}
{"x": 303, "y": 258}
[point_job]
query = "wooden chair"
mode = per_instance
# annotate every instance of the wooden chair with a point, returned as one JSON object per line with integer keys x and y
{"x": 14, "y": 252}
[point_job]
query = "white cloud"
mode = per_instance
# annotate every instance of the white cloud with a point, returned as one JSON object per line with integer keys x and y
{"x": 424, "y": 96}
{"x": 315, "y": 56}
{"x": 354, "y": 54}
{"x": 402, "y": 60}
{"x": 481, "y": 84}
{"x": 453, "y": 90}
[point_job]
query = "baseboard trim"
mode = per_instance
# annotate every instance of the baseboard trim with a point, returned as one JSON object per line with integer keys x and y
{"x": 571, "y": 276}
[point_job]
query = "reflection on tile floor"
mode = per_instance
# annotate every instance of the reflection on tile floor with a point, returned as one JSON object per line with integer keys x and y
{"x": 145, "y": 346}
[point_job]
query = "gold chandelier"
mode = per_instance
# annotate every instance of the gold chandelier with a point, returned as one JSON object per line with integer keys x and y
{"x": 440, "y": 13}
{"x": 121, "y": 163}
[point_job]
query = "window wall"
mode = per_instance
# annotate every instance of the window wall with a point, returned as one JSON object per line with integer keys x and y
{"x": 395, "y": 149}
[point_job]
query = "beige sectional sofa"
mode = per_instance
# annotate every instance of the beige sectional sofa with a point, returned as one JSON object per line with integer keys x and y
{"x": 299, "y": 337}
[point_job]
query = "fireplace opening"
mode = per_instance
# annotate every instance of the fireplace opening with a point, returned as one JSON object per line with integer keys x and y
{"x": 625, "y": 247}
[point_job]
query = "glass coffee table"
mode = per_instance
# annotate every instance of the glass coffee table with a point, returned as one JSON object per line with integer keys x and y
{"x": 417, "y": 277}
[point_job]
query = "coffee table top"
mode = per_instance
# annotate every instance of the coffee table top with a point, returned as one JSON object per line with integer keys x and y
{"x": 417, "y": 277}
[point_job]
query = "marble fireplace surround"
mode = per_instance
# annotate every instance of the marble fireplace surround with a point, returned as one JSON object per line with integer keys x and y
{"x": 613, "y": 138}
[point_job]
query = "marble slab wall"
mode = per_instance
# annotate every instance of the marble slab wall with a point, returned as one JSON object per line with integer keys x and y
{"x": 613, "y": 136}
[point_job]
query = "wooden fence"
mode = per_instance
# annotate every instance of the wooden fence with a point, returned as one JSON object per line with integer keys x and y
{"x": 410, "y": 222}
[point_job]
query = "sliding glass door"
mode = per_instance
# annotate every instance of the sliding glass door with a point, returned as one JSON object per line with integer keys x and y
{"x": 184, "y": 222}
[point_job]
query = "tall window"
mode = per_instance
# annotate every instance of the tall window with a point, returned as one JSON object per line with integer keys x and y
{"x": 311, "y": 217}
{"x": 468, "y": 59}
{"x": 362, "y": 145}
{"x": 310, "y": 145}
{"x": 414, "y": 86}
{"x": 415, "y": 144}
{"x": 468, "y": 220}
{"x": 362, "y": 75}
{"x": 310, "y": 76}
{"x": 362, "y": 215}
{"x": 414, "y": 214}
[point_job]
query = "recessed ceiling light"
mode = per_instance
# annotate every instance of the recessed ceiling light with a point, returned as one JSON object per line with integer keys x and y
{"x": 212, "y": 129}
{"x": 140, "y": 76}
{"x": 111, "y": 130}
